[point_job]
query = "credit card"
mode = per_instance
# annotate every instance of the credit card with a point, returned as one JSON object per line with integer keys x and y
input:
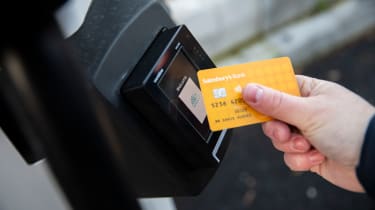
{"x": 222, "y": 90}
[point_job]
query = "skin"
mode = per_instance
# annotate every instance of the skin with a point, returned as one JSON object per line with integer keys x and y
{"x": 322, "y": 131}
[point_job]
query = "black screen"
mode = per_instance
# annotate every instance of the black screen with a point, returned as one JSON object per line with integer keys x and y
{"x": 178, "y": 81}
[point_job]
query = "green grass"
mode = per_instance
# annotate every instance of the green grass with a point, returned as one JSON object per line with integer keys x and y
{"x": 323, "y": 5}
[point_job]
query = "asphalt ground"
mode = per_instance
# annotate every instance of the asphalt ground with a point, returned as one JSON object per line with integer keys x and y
{"x": 253, "y": 175}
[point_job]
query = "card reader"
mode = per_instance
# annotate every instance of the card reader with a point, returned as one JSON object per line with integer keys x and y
{"x": 163, "y": 88}
{"x": 145, "y": 67}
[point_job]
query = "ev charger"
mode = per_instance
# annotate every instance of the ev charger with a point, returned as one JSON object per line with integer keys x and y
{"x": 144, "y": 67}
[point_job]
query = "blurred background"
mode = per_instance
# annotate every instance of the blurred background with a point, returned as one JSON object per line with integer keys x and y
{"x": 327, "y": 39}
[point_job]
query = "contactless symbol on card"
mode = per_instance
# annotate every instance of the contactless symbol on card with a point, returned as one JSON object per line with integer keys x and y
{"x": 222, "y": 90}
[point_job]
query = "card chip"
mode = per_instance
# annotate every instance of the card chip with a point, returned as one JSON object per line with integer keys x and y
{"x": 219, "y": 93}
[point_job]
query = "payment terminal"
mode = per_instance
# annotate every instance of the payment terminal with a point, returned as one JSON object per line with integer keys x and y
{"x": 146, "y": 69}
{"x": 140, "y": 66}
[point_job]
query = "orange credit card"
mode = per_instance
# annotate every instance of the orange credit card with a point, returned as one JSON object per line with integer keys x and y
{"x": 222, "y": 90}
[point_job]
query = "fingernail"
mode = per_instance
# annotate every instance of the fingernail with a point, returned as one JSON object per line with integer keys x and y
{"x": 316, "y": 158}
{"x": 252, "y": 93}
{"x": 299, "y": 144}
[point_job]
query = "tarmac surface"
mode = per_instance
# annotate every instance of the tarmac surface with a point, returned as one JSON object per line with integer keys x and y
{"x": 253, "y": 175}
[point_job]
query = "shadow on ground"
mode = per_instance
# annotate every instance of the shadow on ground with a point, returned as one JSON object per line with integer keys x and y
{"x": 253, "y": 175}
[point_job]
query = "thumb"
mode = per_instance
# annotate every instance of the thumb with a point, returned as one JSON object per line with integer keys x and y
{"x": 288, "y": 108}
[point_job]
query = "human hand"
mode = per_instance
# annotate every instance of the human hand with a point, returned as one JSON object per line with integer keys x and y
{"x": 331, "y": 123}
